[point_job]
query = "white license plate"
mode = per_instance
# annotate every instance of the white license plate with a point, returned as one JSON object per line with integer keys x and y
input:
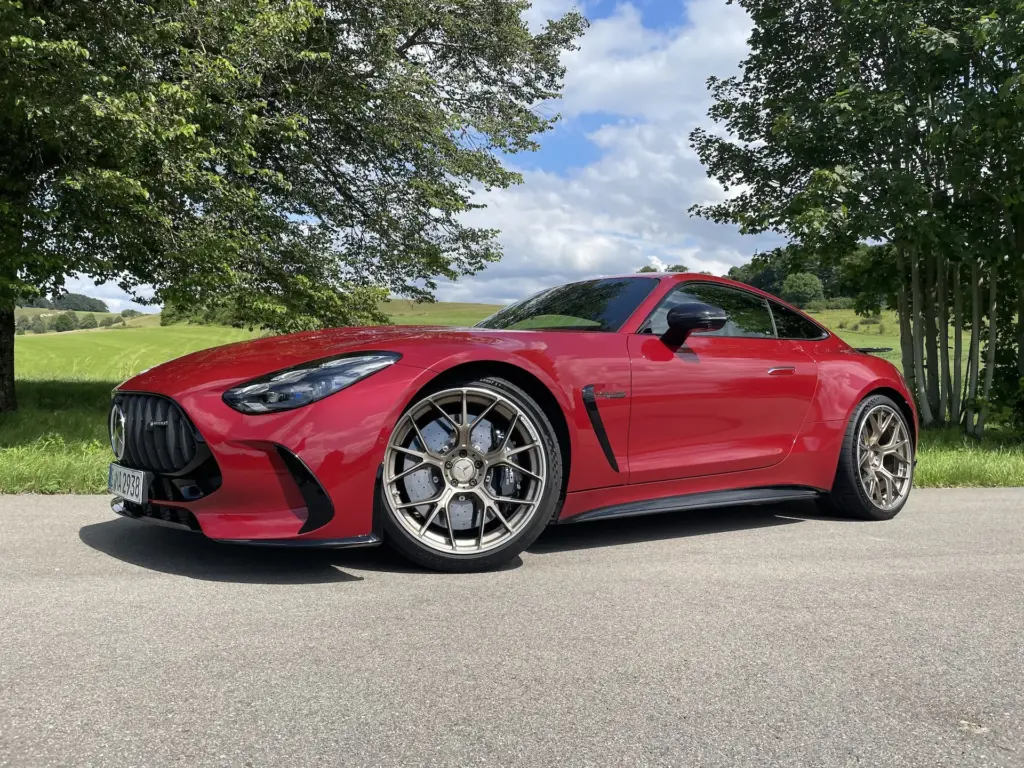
{"x": 127, "y": 483}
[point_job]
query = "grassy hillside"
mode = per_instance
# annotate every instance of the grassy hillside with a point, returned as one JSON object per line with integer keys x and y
{"x": 57, "y": 441}
{"x": 442, "y": 313}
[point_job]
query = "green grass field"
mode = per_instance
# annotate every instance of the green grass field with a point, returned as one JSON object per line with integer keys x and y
{"x": 57, "y": 441}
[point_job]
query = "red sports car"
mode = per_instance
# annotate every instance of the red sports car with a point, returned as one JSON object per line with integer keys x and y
{"x": 457, "y": 446}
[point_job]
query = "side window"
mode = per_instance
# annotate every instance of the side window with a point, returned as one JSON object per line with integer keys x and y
{"x": 790, "y": 325}
{"x": 749, "y": 316}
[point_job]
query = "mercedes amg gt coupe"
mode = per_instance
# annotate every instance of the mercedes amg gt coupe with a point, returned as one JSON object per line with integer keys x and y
{"x": 605, "y": 398}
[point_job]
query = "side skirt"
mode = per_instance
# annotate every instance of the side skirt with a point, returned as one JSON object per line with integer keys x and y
{"x": 366, "y": 540}
{"x": 707, "y": 500}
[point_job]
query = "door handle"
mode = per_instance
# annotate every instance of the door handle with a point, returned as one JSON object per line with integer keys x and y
{"x": 782, "y": 370}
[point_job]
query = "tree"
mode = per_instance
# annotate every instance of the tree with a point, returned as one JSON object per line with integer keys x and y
{"x": 897, "y": 123}
{"x": 88, "y": 321}
{"x": 127, "y": 313}
{"x": 303, "y": 157}
{"x": 65, "y": 321}
{"x": 38, "y": 325}
{"x": 677, "y": 268}
{"x": 646, "y": 268}
{"x": 106, "y": 322}
{"x": 38, "y": 302}
{"x": 78, "y": 302}
{"x": 801, "y": 288}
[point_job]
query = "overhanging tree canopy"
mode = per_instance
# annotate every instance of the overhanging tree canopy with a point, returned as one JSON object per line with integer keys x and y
{"x": 298, "y": 158}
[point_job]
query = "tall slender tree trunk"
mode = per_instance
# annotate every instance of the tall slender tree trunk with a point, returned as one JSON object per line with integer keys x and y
{"x": 903, "y": 313}
{"x": 990, "y": 350}
{"x": 8, "y": 401}
{"x": 931, "y": 337}
{"x": 958, "y": 347}
{"x": 974, "y": 361}
{"x": 923, "y": 405}
{"x": 1020, "y": 327}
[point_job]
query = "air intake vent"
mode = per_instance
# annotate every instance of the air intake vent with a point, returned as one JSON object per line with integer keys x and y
{"x": 158, "y": 436}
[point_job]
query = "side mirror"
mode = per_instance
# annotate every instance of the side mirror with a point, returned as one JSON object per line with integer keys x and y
{"x": 692, "y": 318}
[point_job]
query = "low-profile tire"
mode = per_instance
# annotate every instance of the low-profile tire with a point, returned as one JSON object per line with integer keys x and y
{"x": 472, "y": 475}
{"x": 876, "y": 464}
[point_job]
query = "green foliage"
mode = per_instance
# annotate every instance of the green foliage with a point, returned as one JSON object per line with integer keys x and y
{"x": 78, "y": 302}
{"x": 65, "y": 321}
{"x": 898, "y": 123}
{"x": 128, "y": 313}
{"x": 106, "y": 322}
{"x": 802, "y": 288}
{"x": 647, "y": 268}
{"x": 87, "y": 321}
{"x": 677, "y": 268}
{"x": 298, "y": 159}
{"x": 37, "y": 325}
{"x": 759, "y": 273}
{"x": 37, "y": 302}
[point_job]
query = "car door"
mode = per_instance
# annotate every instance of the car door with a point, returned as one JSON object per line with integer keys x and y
{"x": 729, "y": 400}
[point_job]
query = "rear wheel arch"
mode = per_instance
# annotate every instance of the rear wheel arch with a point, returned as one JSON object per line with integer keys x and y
{"x": 526, "y": 381}
{"x": 901, "y": 401}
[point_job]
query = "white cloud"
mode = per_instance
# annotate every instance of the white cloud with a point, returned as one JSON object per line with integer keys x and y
{"x": 115, "y": 298}
{"x": 630, "y": 207}
{"x": 625, "y": 68}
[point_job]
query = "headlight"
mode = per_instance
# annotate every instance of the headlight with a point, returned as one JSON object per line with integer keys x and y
{"x": 306, "y": 383}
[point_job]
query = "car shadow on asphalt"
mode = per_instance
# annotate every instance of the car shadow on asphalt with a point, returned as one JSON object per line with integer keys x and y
{"x": 669, "y": 525}
{"x": 191, "y": 555}
{"x": 181, "y": 553}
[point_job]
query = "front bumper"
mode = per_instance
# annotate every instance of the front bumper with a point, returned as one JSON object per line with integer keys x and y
{"x": 306, "y": 477}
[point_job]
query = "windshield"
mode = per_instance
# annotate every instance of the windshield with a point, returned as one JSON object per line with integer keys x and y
{"x": 593, "y": 305}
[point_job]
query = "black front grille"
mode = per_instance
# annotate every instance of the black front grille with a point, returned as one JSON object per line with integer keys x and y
{"x": 159, "y": 437}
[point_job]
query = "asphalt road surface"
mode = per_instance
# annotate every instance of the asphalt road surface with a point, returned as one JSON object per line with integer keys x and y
{"x": 736, "y": 637}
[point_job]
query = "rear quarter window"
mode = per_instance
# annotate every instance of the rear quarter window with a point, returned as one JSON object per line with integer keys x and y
{"x": 793, "y": 326}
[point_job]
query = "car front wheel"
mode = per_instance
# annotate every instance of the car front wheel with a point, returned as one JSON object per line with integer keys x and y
{"x": 472, "y": 475}
{"x": 876, "y": 464}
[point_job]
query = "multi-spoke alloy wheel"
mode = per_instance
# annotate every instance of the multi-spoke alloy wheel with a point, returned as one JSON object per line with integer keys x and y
{"x": 466, "y": 470}
{"x": 884, "y": 457}
{"x": 876, "y": 463}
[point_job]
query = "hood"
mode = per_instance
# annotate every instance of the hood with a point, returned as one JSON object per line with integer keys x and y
{"x": 225, "y": 366}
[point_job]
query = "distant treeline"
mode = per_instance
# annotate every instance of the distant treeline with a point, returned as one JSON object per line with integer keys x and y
{"x": 68, "y": 301}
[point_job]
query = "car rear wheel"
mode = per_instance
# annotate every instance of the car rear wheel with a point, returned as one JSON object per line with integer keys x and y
{"x": 472, "y": 475}
{"x": 876, "y": 464}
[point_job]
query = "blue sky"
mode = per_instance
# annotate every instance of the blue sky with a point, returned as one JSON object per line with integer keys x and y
{"x": 608, "y": 191}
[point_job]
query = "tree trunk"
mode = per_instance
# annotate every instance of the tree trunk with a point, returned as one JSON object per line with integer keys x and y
{"x": 990, "y": 351}
{"x": 945, "y": 382}
{"x": 8, "y": 402}
{"x": 1020, "y": 327}
{"x": 923, "y": 406}
{"x": 958, "y": 347}
{"x": 931, "y": 337}
{"x": 974, "y": 361}
{"x": 903, "y": 313}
